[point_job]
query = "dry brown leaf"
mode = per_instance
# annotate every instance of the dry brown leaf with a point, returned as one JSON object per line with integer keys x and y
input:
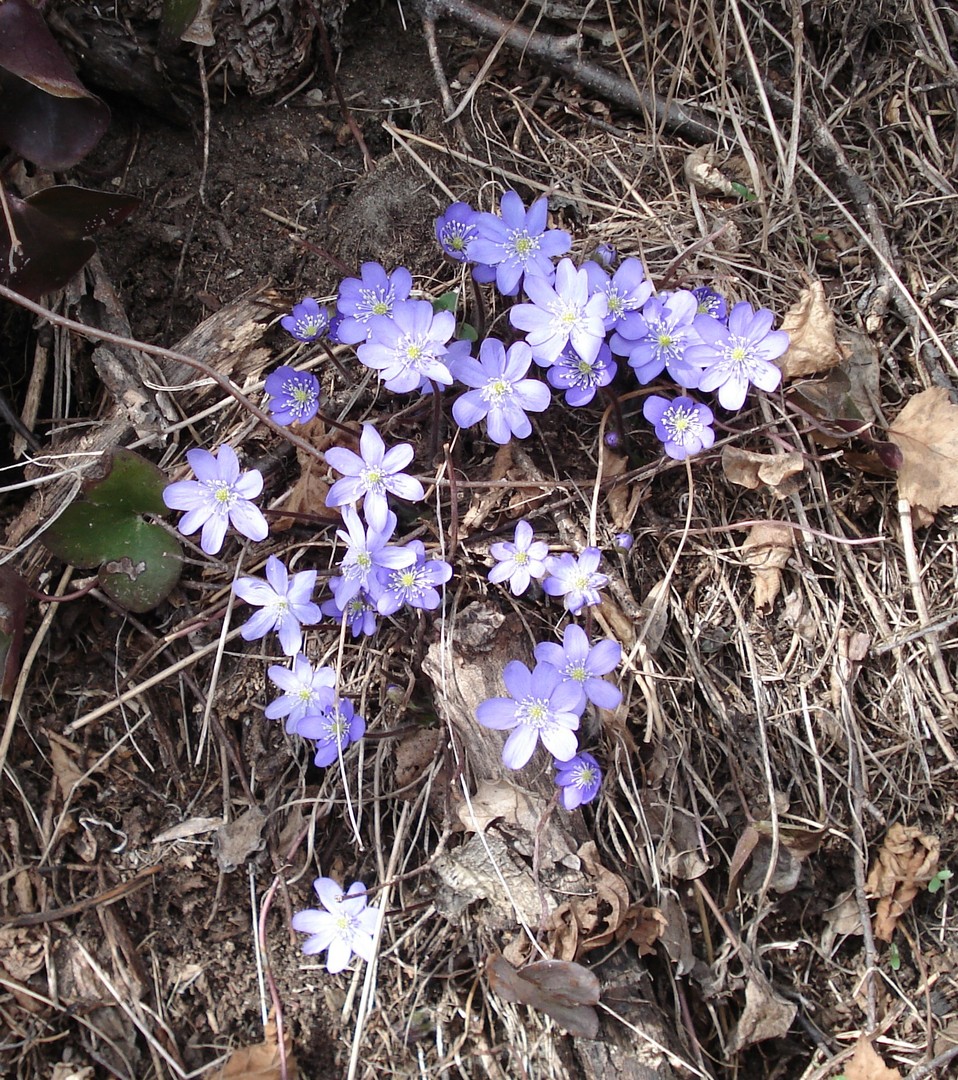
{"x": 484, "y": 502}
{"x": 494, "y": 800}
{"x": 654, "y": 617}
{"x": 767, "y": 551}
{"x": 642, "y": 925}
{"x": 524, "y": 816}
{"x": 310, "y": 490}
{"x": 623, "y": 499}
{"x": 926, "y": 433}
{"x": 677, "y": 839}
{"x": 234, "y": 842}
{"x": 766, "y": 1015}
{"x": 599, "y": 916}
{"x": 779, "y": 472}
{"x": 415, "y": 753}
{"x": 676, "y": 936}
{"x": 64, "y": 1071}
{"x": 908, "y": 860}
{"x": 22, "y": 951}
{"x": 867, "y": 1065}
{"x": 844, "y": 917}
{"x": 260, "y": 1062}
{"x": 702, "y": 173}
{"x": 65, "y": 769}
{"x": 811, "y": 330}
{"x": 565, "y": 991}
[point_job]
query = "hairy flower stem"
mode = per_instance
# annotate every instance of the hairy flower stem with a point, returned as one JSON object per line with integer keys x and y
{"x": 618, "y": 422}
{"x": 480, "y": 308}
{"x": 337, "y": 363}
{"x": 436, "y": 439}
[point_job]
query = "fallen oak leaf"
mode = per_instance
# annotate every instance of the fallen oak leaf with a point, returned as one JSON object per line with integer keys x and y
{"x": 926, "y": 433}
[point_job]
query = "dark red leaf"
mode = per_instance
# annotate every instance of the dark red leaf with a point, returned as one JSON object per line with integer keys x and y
{"x": 13, "y": 607}
{"x": 53, "y": 228}
{"x": 48, "y": 116}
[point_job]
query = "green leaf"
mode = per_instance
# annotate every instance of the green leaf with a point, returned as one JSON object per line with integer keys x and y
{"x": 742, "y": 191}
{"x": 894, "y": 957}
{"x": 938, "y": 881}
{"x": 147, "y": 571}
{"x": 468, "y": 332}
{"x": 131, "y": 483}
{"x": 447, "y": 302}
{"x": 139, "y": 562}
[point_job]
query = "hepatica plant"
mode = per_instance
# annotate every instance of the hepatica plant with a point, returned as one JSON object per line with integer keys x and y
{"x": 138, "y": 561}
{"x": 568, "y": 319}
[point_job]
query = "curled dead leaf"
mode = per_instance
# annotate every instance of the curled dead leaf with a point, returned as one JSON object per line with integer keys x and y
{"x": 926, "y": 433}
{"x": 623, "y": 499}
{"x": 767, "y": 550}
{"x": 601, "y": 914}
{"x": 766, "y": 1015}
{"x": 703, "y": 174}
{"x": 778, "y": 472}
{"x": 907, "y": 861}
{"x": 810, "y": 325}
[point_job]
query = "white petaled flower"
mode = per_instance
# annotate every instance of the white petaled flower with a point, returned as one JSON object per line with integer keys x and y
{"x": 285, "y": 604}
{"x": 345, "y": 926}
{"x": 305, "y": 689}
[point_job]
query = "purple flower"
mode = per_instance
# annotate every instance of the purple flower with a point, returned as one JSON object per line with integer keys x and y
{"x": 710, "y": 302}
{"x": 333, "y": 729}
{"x": 305, "y": 690}
{"x": 519, "y": 561}
{"x": 561, "y": 316}
{"x": 627, "y": 290}
{"x": 413, "y": 585}
{"x": 579, "y": 780}
{"x": 623, "y": 541}
{"x": 518, "y": 243}
{"x": 657, "y": 339}
{"x": 579, "y": 378}
{"x": 584, "y": 665}
{"x": 542, "y": 705}
{"x": 307, "y": 322}
{"x": 503, "y": 395}
{"x": 373, "y": 294}
{"x": 219, "y": 495}
{"x": 738, "y": 355}
{"x": 293, "y": 395}
{"x": 456, "y": 229}
{"x": 285, "y": 602}
{"x": 366, "y": 553}
{"x": 576, "y": 580}
{"x": 682, "y": 425}
{"x": 346, "y": 926}
{"x": 605, "y": 255}
{"x": 359, "y": 611}
{"x": 409, "y": 346}
{"x": 370, "y": 474}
